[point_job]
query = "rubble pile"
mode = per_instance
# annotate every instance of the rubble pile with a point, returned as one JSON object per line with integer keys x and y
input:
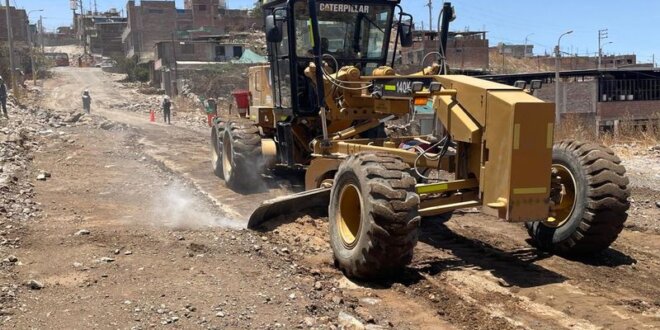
{"x": 20, "y": 137}
{"x": 17, "y": 142}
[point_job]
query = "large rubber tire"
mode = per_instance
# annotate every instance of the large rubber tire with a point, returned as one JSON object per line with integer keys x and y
{"x": 374, "y": 218}
{"x": 217, "y": 131}
{"x": 600, "y": 204}
{"x": 242, "y": 163}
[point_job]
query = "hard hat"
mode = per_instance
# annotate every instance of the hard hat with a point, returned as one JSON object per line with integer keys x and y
{"x": 167, "y": 97}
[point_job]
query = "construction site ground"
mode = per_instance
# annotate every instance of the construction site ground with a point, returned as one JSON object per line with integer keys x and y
{"x": 136, "y": 232}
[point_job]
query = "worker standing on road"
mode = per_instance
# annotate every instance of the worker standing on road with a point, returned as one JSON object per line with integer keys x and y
{"x": 211, "y": 110}
{"x": 167, "y": 106}
{"x": 3, "y": 97}
{"x": 87, "y": 101}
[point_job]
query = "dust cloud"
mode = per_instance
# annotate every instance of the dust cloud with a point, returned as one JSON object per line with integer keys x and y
{"x": 177, "y": 208}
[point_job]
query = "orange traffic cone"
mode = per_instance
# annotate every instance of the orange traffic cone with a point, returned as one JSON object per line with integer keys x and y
{"x": 152, "y": 116}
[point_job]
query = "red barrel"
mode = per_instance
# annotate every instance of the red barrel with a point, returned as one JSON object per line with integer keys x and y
{"x": 242, "y": 98}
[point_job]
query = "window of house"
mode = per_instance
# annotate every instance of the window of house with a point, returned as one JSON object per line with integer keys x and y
{"x": 155, "y": 11}
{"x": 220, "y": 53}
{"x": 202, "y": 8}
{"x": 188, "y": 49}
{"x": 220, "y": 50}
{"x": 238, "y": 51}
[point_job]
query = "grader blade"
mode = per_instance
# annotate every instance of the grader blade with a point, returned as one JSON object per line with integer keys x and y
{"x": 276, "y": 207}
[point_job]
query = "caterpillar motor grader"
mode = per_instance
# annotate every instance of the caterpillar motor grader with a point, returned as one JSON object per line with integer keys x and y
{"x": 321, "y": 105}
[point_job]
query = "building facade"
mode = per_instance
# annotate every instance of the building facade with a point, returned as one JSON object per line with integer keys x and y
{"x": 106, "y": 36}
{"x": 148, "y": 23}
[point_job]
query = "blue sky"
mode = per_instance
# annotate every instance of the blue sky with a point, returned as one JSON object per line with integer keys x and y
{"x": 633, "y": 25}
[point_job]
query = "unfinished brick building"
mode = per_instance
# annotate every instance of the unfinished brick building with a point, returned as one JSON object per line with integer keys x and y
{"x": 106, "y": 36}
{"x": 606, "y": 98}
{"x": 465, "y": 50}
{"x": 19, "y": 24}
{"x": 148, "y": 23}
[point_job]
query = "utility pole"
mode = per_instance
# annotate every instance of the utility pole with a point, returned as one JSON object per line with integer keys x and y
{"x": 82, "y": 26}
{"x": 430, "y": 5}
{"x": 653, "y": 59}
{"x": 31, "y": 45}
{"x": 526, "y": 38}
{"x": 173, "y": 77}
{"x": 31, "y": 42}
{"x": 558, "y": 79}
{"x": 10, "y": 37}
{"x": 602, "y": 34}
{"x": 41, "y": 33}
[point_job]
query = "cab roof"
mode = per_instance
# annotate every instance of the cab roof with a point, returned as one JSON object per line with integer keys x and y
{"x": 273, "y": 3}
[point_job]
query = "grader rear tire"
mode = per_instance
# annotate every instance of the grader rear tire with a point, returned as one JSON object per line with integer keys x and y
{"x": 593, "y": 202}
{"x": 241, "y": 156}
{"x": 374, "y": 219}
{"x": 216, "y": 149}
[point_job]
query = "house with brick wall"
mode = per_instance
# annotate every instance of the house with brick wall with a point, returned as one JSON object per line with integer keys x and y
{"x": 465, "y": 50}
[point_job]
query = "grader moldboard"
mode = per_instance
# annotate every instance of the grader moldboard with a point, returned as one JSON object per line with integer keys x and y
{"x": 321, "y": 106}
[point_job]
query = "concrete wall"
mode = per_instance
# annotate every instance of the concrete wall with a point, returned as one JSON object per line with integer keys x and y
{"x": 629, "y": 110}
{"x": 55, "y": 39}
{"x": 576, "y": 96}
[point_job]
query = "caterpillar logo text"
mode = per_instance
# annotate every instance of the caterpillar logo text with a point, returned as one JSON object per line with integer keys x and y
{"x": 341, "y": 8}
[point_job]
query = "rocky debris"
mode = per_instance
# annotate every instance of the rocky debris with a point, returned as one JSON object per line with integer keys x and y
{"x": 82, "y": 232}
{"x": 657, "y": 204}
{"x": 107, "y": 260}
{"x": 11, "y": 259}
{"x": 18, "y": 141}
{"x": 73, "y": 117}
{"x": 107, "y": 125}
{"x": 43, "y": 176}
{"x": 349, "y": 322}
{"x": 150, "y": 90}
{"x": 34, "y": 285}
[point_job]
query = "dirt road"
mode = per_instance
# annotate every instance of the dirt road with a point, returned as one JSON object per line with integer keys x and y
{"x": 161, "y": 245}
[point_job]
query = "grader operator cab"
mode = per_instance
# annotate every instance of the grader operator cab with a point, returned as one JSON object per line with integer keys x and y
{"x": 321, "y": 106}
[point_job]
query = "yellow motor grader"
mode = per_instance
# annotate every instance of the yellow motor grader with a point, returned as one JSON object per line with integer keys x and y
{"x": 322, "y": 105}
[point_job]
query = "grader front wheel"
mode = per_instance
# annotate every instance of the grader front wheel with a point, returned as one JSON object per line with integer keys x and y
{"x": 374, "y": 218}
{"x": 590, "y": 196}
